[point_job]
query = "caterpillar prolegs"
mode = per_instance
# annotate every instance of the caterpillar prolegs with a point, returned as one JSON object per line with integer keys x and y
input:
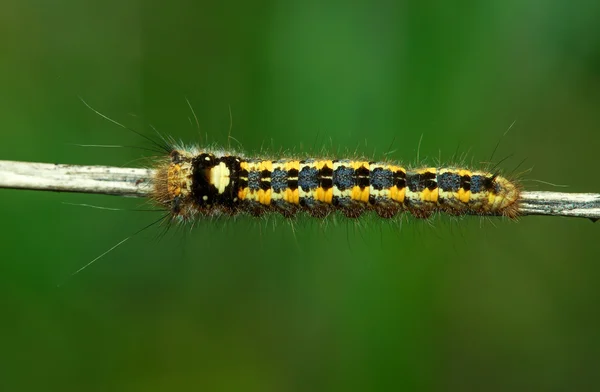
{"x": 192, "y": 183}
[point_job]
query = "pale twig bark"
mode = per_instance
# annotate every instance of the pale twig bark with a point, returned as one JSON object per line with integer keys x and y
{"x": 580, "y": 205}
{"x": 138, "y": 183}
{"x": 74, "y": 178}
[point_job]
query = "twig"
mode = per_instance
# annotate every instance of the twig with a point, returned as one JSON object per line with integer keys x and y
{"x": 74, "y": 178}
{"x": 580, "y": 205}
{"x": 138, "y": 183}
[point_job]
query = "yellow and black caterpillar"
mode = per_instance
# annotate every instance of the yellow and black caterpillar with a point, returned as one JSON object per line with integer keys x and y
{"x": 192, "y": 183}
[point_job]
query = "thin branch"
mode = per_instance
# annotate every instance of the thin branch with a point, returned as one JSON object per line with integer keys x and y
{"x": 138, "y": 183}
{"x": 579, "y": 205}
{"x": 74, "y": 178}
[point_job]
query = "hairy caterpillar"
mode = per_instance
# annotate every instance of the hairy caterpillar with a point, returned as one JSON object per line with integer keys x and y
{"x": 191, "y": 182}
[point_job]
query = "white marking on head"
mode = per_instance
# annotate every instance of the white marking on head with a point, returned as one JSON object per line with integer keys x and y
{"x": 219, "y": 177}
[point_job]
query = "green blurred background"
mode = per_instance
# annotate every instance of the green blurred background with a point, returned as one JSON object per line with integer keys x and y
{"x": 245, "y": 304}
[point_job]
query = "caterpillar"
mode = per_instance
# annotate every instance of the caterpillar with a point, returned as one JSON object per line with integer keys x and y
{"x": 191, "y": 182}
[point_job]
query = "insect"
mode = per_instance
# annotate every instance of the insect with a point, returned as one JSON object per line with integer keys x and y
{"x": 191, "y": 182}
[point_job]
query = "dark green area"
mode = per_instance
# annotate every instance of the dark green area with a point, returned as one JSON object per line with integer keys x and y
{"x": 244, "y": 304}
